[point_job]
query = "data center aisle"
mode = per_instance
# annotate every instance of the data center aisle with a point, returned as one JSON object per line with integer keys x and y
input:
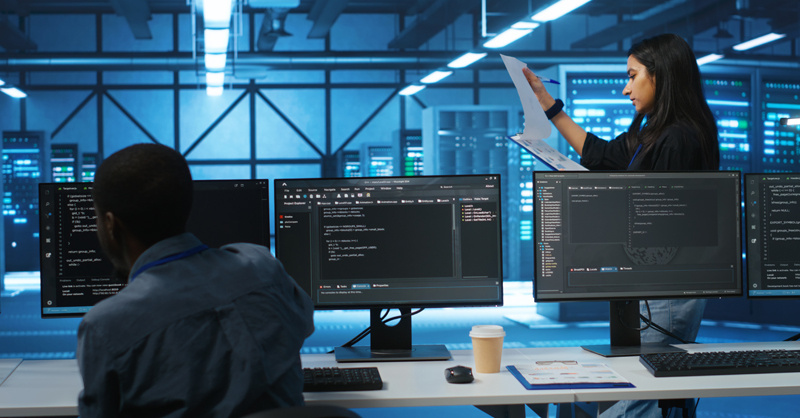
{"x": 24, "y": 334}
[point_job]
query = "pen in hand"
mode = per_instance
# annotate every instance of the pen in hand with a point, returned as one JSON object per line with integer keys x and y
{"x": 547, "y": 80}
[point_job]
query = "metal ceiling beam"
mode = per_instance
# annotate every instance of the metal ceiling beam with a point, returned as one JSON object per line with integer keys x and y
{"x": 324, "y": 14}
{"x": 698, "y": 22}
{"x": 25, "y": 7}
{"x": 441, "y": 14}
{"x": 136, "y": 13}
{"x": 629, "y": 28}
{"x": 12, "y": 39}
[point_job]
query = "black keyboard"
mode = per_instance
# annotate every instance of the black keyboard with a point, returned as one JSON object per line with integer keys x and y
{"x": 328, "y": 379}
{"x": 722, "y": 362}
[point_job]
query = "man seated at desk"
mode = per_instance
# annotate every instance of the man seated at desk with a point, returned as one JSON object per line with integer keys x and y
{"x": 198, "y": 331}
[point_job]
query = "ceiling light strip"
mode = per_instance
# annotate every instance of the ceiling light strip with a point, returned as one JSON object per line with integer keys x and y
{"x": 761, "y": 40}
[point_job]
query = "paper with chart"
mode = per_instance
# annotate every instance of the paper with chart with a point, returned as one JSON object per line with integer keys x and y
{"x": 572, "y": 374}
{"x": 537, "y": 127}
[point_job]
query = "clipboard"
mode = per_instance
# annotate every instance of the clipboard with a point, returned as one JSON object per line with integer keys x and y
{"x": 572, "y": 376}
{"x": 546, "y": 154}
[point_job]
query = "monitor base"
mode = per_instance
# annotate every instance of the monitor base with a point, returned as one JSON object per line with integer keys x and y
{"x": 630, "y": 350}
{"x": 416, "y": 353}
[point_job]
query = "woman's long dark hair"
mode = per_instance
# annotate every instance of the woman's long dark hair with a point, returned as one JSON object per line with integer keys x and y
{"x": 678, "y": 97}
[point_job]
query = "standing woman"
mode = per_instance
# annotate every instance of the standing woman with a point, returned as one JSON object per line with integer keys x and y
{"x": 673, "y": 130}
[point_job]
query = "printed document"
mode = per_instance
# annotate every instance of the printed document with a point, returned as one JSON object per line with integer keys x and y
{"x": 537, "y": 127}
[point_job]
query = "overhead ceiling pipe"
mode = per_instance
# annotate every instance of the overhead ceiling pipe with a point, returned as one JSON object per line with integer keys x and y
{"x": 284, "y": 61}
{"x": 383, "y": 60}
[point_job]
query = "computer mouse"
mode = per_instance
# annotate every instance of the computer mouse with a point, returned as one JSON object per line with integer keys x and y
{"x": 458, "y": 374}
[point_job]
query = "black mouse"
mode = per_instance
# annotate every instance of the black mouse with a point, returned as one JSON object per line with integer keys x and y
{"x": 458, "y": 374}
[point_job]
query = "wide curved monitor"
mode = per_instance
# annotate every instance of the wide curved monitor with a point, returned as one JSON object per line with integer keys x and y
{"x": 392, "y": 242}
{"x": 630, "y": 236}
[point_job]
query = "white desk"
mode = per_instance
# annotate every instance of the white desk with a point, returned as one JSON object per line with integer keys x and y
{"x": 41, "y": 388}
{"x": 423, "y": 383}
{"x": 7, "y": 366}
{"x": 51, "y": 387}
{"x": 649, "y": 387}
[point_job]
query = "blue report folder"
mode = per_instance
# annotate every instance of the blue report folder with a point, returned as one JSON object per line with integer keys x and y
{"x": 585, "y": 376}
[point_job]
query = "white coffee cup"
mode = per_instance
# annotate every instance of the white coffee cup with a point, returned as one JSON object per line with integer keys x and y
{"x": 487, "y": 347}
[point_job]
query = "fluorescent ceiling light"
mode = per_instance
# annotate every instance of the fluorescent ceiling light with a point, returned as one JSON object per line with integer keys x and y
{"x": 466, "y": 59}
{"x": 557, "y": 10}
{"x": 216, "y": 40}
{"x": 412, "y": 89}
{"x": 215, "y": 62}
{"x": 709, "y": 58}
{"x": 213, "y": 90}
{"x": 14, "y": 92}
{"x": 435, "y": 76}
{"x": 216, "y": 14}
{"x": 516, "y": 31}
{"x": 215, "y": 79}
{"x": 761, "y": 40}
{"x": 525, "y": 25}
{"x": 790, "y": 121}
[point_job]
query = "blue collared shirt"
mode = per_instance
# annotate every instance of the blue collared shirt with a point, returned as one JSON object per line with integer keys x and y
{"x": 214, "y": 334}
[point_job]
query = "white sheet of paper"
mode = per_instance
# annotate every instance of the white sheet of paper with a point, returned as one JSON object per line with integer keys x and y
{"x": 536, "y": 124}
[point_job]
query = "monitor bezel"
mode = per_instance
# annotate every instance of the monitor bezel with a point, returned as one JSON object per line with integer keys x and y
{"x": 401, "y": 304}
{"x": 610, "y": 297}
{"x": 749, "y": 263}
{"x": 42, "y": 214}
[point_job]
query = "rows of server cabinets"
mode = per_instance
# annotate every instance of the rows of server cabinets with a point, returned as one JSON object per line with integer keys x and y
{"x": 473, "y": 140}
{"x": 28, "y": 159}
{"x": 747, "y": 105}
{"x": 747, "y": 112}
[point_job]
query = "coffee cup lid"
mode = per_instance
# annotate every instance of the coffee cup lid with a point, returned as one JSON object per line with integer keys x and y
{"x": 487, "y": 331}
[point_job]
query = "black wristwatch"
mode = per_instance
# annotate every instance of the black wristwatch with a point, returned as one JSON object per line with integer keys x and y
{"x": 554, "y": 109}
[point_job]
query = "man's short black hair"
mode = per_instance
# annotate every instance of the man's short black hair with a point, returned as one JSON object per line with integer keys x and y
{"x": 148, "y": 187}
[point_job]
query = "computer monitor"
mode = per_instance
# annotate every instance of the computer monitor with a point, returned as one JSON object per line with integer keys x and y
{"x": 75, "y": 274}
{"x": 630, "y": 236}
{"x": 392, "y": 242}
{"x": 772, "y": 212}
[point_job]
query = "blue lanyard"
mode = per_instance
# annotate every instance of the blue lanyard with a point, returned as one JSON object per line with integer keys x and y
{"x": 639, "y": 148}
{"x": 168, "y": 259}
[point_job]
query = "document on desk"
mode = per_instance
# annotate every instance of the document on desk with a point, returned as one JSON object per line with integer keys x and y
{"x": 537, "y": 127}
{"x": 567, "y": 374}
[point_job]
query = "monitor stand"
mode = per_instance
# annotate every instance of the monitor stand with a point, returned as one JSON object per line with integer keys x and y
{"x": 625, "y": 338}
{"x": 391, "y": 343}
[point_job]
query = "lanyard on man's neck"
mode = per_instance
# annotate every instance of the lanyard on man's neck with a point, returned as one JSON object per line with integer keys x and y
{"x": 168, "y": 259}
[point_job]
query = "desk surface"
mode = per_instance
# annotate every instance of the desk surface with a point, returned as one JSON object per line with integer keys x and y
{"x": 51, "y": 387}
{"x": 41, "y": 388}
{"x": 423, "y": 383}
{"x": 430, "y": 389}
{"x": 7, "y": 366}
